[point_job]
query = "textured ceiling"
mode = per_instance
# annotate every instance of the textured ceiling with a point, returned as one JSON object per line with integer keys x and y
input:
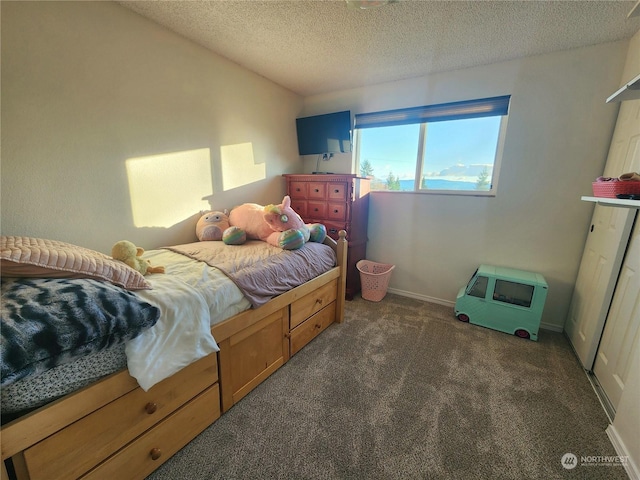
{"x": 318, "y": 46}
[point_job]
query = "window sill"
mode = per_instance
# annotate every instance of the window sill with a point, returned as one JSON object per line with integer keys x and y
{"x": 459, "y": 193}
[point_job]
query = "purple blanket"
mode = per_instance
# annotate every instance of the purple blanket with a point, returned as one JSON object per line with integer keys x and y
{"x": 262, "y": 271}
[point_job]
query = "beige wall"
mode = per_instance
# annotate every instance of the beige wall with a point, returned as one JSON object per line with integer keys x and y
{"x": 89, "y": 86}
{"x": 557, "y": 142}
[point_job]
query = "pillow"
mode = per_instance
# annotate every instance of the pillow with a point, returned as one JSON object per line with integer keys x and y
{"x": 37, "y": 257}
{"x": 47, "y": 322}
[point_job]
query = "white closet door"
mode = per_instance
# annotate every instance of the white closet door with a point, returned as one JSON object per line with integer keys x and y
{"x": 621, "y": 333}
{"x": 597, "y": 276}
{"x": 606, "y": 244}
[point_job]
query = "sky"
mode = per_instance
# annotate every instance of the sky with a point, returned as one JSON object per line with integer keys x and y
{"x": 465, "y": 142}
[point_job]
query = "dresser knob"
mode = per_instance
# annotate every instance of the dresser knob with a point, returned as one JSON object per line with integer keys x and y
{"x": 287, "y": 335}
{"x": 155, "y": 453}
{"x": 151, "y": 407}
{"x": 316, "y": 190}
{"x": 318, "y": 326}
{"x": 319, "y": 301}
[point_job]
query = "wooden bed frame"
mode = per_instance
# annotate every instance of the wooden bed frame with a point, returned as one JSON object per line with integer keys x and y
{"x": 114, "y": 429}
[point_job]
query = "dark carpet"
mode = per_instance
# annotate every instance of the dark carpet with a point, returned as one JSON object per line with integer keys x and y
{"x": 403, "y": 390}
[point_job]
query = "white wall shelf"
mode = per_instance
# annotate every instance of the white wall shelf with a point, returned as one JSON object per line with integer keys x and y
{"x": 629, "y": 91}
{"x": 613, "y": 202}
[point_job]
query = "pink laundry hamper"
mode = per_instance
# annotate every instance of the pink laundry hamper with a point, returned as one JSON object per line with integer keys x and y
{"x": 374, "y": 278}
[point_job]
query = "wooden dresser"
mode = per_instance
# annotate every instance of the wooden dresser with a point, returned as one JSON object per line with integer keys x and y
{"x": 340, "y": 202}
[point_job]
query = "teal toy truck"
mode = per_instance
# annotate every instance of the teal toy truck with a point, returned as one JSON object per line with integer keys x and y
{"x": 503, "y": 299}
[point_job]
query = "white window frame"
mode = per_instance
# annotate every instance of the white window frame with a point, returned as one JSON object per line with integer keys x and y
{"x": 420, "y": 162}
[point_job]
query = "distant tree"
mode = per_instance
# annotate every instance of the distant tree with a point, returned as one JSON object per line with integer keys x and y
{"x": 393, "y": 182}
{"x": 482, "y": 183}
{"x": 366, "y": 169}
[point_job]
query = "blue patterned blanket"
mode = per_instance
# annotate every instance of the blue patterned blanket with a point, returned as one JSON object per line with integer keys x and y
{"x": 48, "y": 322}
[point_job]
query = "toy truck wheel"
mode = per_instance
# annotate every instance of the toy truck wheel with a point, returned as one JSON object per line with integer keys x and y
{"x": 463, "y": 317}
{"x": 521, "y": 333}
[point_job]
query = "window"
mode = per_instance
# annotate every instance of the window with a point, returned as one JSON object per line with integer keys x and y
{"x": 450, "y": 148}
{"x": 514, "y": 293}
{"x": 479, "y": 288}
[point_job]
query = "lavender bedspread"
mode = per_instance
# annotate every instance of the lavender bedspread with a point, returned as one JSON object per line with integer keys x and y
{"x": 262, "y": 271}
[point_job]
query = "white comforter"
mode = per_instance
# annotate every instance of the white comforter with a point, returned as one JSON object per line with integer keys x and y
{"x": 192, "y": 297}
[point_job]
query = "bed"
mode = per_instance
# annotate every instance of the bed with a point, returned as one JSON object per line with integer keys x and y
{"x": 128, "y": 418}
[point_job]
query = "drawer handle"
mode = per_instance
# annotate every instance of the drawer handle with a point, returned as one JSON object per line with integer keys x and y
{"x": 155, "y": 453}
{"x": 336, "y": 191}
{"x": 315, "y": 209}
{"x": 335, "y": 211}
{"x": 151, "y": 407}
{"x": 318, "y": 326}
{"x": 316, "y": 190}
{"x": 287, "y": 335}
{"x": 319, "y": 301}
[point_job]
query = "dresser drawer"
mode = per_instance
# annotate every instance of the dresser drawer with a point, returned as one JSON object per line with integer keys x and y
{"x": 308, "y": 330}
{"x": 337, "y": 191}
{"x": 337, "y": 211}
{"x": 316, "y": 210}
{"x": 83, "y": 444}
{"x": 300, "y": 207}
{"x": 313, "y": 302}
{"x": 298, "y": 190}
{"x": 333, "y": 228}
{"x": 148, "y": 452}
{"x": 316, "y": 191}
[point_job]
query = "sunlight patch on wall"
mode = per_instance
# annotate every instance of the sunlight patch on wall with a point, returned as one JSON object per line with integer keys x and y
{"x": 168, "y": 188}
{"x": 238, "y": 167}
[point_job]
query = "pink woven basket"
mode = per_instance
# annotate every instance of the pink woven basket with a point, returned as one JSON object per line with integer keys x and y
{"x": 611, "y": 189}
{"x": 374, "y": 278}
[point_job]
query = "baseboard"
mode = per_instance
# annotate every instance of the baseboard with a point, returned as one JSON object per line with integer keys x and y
{"x": 630, "y": 466}
{"x": 425, "y": 298}
{"x": 607, "y": 406}
{"x": 449, "y": 303}
{"x": 552, "y": 328}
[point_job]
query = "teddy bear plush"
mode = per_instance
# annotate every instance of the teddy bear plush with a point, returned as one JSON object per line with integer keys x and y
{"x": 127, "y": 252}
{"x": 212, "y": 225}
{"x": 278, "y": 225}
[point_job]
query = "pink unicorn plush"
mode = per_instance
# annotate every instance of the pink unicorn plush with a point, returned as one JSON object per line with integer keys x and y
{"x": 278, "y": 225}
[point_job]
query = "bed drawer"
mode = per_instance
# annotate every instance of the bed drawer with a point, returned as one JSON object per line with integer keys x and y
{"x": 140, "y": 458}
{"x": 308, "y": 330}
{"x": 312, "y": 303}
{"x": 83, "y": 444}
